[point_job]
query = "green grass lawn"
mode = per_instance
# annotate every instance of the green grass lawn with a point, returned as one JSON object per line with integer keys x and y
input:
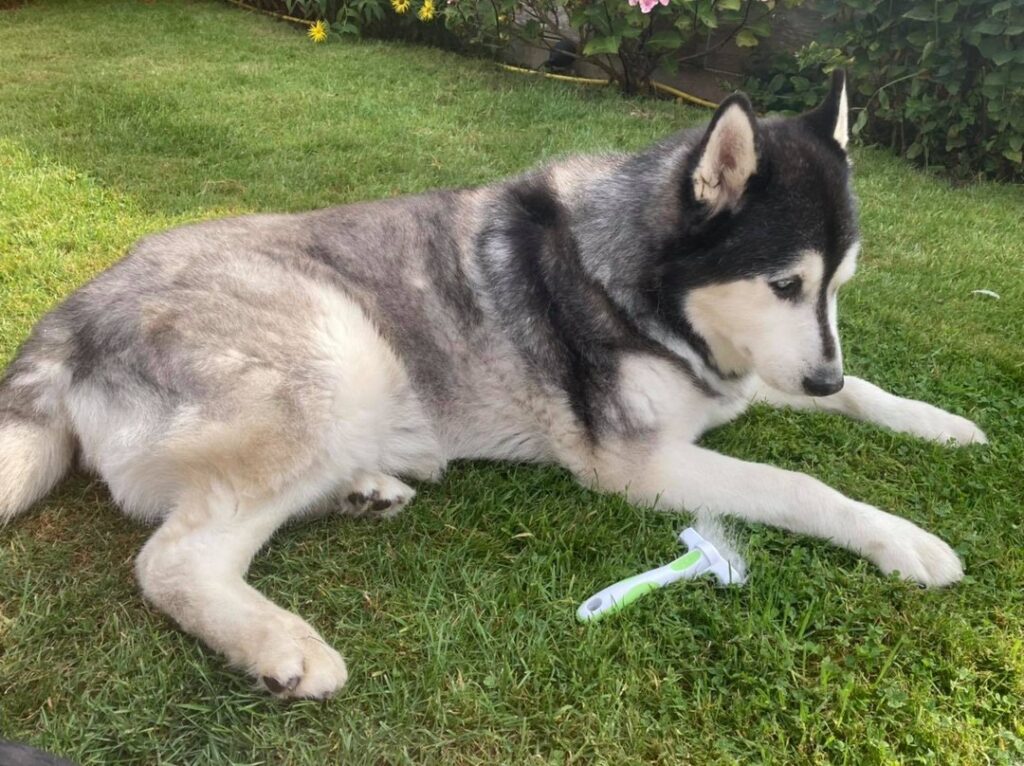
{"x": 122, "y": 118}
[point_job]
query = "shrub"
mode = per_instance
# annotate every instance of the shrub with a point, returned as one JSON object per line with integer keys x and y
{"x": 941, "y": 83}
{"x": 626, "y": 40}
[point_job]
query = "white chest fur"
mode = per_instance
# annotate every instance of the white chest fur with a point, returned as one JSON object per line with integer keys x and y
{"x": 656, "y": 395}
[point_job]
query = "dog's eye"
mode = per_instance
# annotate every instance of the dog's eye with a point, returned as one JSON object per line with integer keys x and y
{"x": 786, "y": 288}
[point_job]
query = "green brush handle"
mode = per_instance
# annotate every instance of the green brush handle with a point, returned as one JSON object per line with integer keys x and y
{"x": 623, "y": 593}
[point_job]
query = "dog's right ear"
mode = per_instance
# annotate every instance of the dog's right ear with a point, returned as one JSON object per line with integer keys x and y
{"x": 727, "y": 155}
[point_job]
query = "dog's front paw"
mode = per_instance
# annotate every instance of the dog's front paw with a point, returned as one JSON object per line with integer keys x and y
{"x": 947, "y": 428}
{"x": 294, "y": 662}
{"x": 915, "y": 554}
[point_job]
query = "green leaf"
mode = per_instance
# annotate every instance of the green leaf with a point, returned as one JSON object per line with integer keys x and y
{"x": 990, "y": 27}
{"x": 602, "y": 45}
{"x": 997, "y": 78}
{"x": 1002, "y": 57}
{"x": 706, "y": 15}
{"x": 922, "y": 12}
{"x": 746, "y": 39}
{"x": 860, "y": 122}
{"x": 761, "y": 27}
{"x": 919, "y": 38}
{"x": 1013, "y": 156}
{"x": 730, "y": 5}
{"x": 580, "y": 16}
{"x": 1015, "y": 75}
{"x": 666, "y": 39}
{"x": 990, "y": 46}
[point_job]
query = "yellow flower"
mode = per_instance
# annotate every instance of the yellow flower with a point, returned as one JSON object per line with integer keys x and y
{"x": 400, "y": 6}
{"x": 317, "y": 32}
{"x": 427, "y": 11}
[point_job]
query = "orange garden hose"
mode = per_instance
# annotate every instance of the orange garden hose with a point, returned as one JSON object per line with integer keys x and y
{"x": 668, "y": 90}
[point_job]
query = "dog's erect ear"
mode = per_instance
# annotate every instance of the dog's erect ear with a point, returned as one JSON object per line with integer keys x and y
{"x": 831, "y": 118}
{"x": 728, "y": 155}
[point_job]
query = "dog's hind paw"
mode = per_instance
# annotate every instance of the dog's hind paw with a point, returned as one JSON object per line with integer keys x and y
{"x": 376, "y": 495}
{"x": 915, "y": 555}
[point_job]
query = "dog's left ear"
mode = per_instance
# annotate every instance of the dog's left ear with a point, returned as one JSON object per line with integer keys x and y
{"x": 831, "y": 118}
{"x": 727, "y": 155}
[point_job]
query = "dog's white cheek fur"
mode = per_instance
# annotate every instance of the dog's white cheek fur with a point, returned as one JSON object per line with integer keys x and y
{"x": 750, "y": 330}
{"x": 786, "y": 345}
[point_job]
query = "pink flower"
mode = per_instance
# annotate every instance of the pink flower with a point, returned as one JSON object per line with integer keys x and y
{"x": 646, "y": 6}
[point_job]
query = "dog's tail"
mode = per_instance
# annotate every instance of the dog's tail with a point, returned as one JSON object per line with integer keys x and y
{"x": 36, "y": 440}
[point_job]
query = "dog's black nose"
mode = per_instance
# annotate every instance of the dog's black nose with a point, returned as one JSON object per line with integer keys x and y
{"x": 823, "y": 384}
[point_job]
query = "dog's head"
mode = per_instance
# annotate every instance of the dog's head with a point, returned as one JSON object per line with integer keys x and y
{"x": 771, "y": 235}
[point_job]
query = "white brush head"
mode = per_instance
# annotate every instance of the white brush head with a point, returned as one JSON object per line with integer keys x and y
{"x": 717, "y": 564}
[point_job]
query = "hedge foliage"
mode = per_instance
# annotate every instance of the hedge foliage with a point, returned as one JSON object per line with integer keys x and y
{"x": 940, "y": 82}
{"x": 625, "y": 39}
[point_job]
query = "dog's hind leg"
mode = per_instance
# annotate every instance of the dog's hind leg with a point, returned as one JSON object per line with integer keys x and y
{"x": 193, "y": 567}
{"x": 679, "y": 475}
{"x": 865, "y": 401}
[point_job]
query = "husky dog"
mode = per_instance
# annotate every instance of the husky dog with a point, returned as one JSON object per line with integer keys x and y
{"x": 600, "y": 313}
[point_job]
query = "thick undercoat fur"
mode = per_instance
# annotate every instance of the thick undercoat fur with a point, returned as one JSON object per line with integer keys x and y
{"x": 600, "y": 313}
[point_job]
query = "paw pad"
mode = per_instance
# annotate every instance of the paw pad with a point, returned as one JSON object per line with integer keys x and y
{"x": 377, "y": 495}
{"x": 276, "y": 687}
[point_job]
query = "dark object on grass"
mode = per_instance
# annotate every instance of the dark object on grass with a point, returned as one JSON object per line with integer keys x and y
{"x": 14, "y": 754}
{"x": 562, "y": 57}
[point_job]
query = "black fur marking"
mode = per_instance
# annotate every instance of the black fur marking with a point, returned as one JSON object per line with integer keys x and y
{"x": 19, "y": 403}
{"x": 319, "y": 253}
{"x": 828, "y": 341}
{"x": 114, "y": 352}
{"x": 566, "y": 326}
{"x": 348, "y": 241}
